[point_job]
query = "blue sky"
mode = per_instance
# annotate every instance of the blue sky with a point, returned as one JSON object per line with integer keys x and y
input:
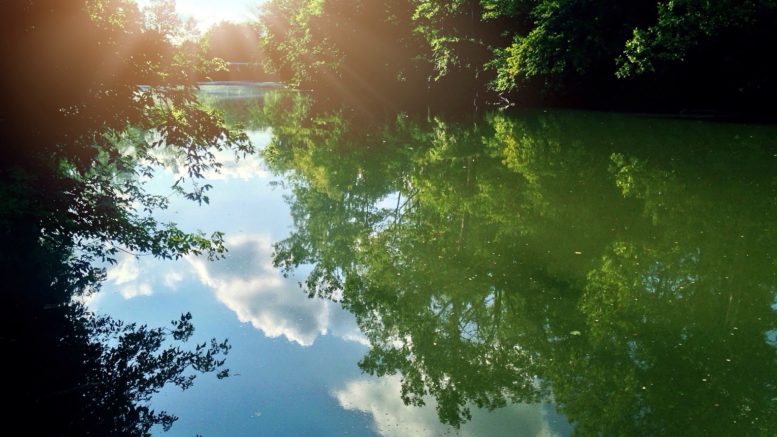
{"x": 209, "y": 12}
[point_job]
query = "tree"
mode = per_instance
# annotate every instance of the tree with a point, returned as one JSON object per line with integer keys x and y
{"x": 361, "y": 54}
{"x": 618, "y": 269}
{"x": 92, "y": 92}
{"x": 234, "y": 42}
{"x": 239, "y": 44}
{"x": 78, "y": 179}
{"x": 96, "y": 376}
{"x": 647, "y": 54}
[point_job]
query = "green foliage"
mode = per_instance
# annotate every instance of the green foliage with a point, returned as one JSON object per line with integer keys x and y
{"x": 549, "y": 48}
{"x": 81, "y": 178}
{"x": 128, "y": 364}
{"x": 683, "y": 25}
{"x": 442, "y": 24}
{"x": 238, "y": 46}
{"x": 293, "y": 52}
{"x": 160, "y": 16}
{"x": 617, "y": 266}
{"x": 360, "y": 53}
{"x": 96, "y": 98}
{"x": 561, "y": 39}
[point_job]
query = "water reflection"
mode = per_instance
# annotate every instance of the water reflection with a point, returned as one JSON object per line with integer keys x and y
{"x": 289, "y": 352}
{"x": 247, "y": 284}
{"x": 614, "y": 271}
{"x": 380, "y": 399}
{"x": 620, "y": 267}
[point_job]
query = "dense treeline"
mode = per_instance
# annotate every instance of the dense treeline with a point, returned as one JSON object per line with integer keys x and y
{"x": 239, "y": 46}
{"x": 93, "y": 92}
{"x": 686, "y": 54}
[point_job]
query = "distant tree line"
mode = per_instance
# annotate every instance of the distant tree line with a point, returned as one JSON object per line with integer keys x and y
{"x": 239, "y": 46}
{"x": 679, "y": 54}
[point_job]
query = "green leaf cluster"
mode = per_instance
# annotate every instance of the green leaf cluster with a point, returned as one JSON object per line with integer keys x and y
{"x": 521, "y": 49}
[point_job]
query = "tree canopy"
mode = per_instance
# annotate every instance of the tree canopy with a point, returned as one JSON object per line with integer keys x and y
{"x": 645, "y": 54}
{"x": 93, "y": 94}
{"x": 239, "y": 45}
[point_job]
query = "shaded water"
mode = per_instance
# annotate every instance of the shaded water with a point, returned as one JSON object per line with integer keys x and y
{"x": 611, "y": 274}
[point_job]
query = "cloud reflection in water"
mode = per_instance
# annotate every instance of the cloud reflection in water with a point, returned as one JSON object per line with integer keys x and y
{"x": 248, "y": 284}
{"x": 380, "y": 398}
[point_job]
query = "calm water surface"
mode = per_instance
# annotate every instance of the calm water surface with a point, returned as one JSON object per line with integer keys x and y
{"x": 603, "y": 273}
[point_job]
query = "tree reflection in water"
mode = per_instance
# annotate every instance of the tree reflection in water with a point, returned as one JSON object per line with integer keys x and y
{"x": 92, "y": 92}
{"x": 621, "y": 267}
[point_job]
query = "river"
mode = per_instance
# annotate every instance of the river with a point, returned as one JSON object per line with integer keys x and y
{"x": 524, "y": 274}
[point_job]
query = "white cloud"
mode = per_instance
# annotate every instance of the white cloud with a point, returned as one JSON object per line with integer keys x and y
{"x": 135, "y": 290}
{"x": 124, "y": 276}
{"x": 243, "y": 168}
{"x": 240, "y": 167}
{"x": 131, "y": 277}
{"x": 380, "y": 398}
{"x": 125, "y": 270}
{"x": 91, "y": 300}
{"x": 172, "y": 278}
{"x": 343, "y": 324}
{"x": 248, "y": 284}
